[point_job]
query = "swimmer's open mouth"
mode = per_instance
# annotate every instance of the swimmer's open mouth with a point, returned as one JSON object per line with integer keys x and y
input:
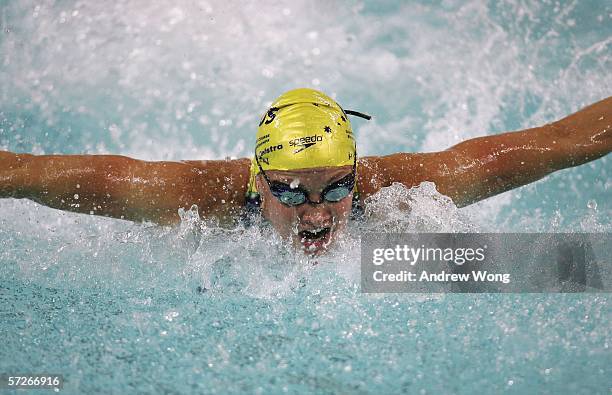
{"x": 314, "y": 234}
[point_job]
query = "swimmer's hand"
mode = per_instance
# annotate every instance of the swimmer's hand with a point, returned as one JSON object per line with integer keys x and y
{"x": 126, "y": 188}
{"x": 482, "y": 167}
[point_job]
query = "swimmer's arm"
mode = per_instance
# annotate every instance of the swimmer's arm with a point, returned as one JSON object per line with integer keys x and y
{"x": 126, "y": 188}
{"x": 482, "y": 167}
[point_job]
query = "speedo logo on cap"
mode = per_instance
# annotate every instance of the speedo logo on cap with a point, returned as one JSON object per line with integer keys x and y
{"x": 305, "y": 142}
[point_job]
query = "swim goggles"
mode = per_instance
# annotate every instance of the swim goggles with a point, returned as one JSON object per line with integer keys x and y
{"x": 292, "y": 197}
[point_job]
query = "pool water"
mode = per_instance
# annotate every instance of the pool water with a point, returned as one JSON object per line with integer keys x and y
{"x": 118, "y": 307}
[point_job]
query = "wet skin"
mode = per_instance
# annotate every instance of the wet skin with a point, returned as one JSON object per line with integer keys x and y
{"x": 131, "y": 189}
{"x": 311, "y": 227}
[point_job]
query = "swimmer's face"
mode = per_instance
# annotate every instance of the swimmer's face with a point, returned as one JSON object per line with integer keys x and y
{"x": 310, "y": 227}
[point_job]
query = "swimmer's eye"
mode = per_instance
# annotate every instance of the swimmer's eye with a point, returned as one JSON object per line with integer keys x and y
{"x": 339, "y": 189}
{"x": 292, "y": 198}
{"x": 337, "y": 194}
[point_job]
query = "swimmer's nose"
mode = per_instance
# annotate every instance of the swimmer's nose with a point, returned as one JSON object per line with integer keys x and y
{"x": 316, "y": 216}
{"x": 315, "y": 198}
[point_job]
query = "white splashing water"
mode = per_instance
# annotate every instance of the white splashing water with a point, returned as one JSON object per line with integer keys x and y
{"x": 190, "y": 80}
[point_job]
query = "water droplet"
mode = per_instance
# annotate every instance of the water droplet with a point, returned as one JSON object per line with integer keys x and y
{"x": 171, "y": 315}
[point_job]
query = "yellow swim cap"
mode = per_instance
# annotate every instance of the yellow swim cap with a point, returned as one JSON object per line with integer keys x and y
{"x": 303, "y": 129}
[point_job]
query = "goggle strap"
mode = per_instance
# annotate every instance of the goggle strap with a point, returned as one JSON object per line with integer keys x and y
{"x": 358, "y": 114}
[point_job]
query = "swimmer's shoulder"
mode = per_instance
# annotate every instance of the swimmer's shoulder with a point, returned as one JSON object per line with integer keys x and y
{"x": 217, "y": 187}
{"x": 376, "y": 172}
{"x": 231, "y": 174}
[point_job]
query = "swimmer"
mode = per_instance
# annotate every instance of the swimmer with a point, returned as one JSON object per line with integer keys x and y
{"x": 305, "y": 176}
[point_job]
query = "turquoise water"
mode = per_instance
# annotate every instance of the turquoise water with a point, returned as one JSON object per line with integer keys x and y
{"x": 120, "y": 308}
